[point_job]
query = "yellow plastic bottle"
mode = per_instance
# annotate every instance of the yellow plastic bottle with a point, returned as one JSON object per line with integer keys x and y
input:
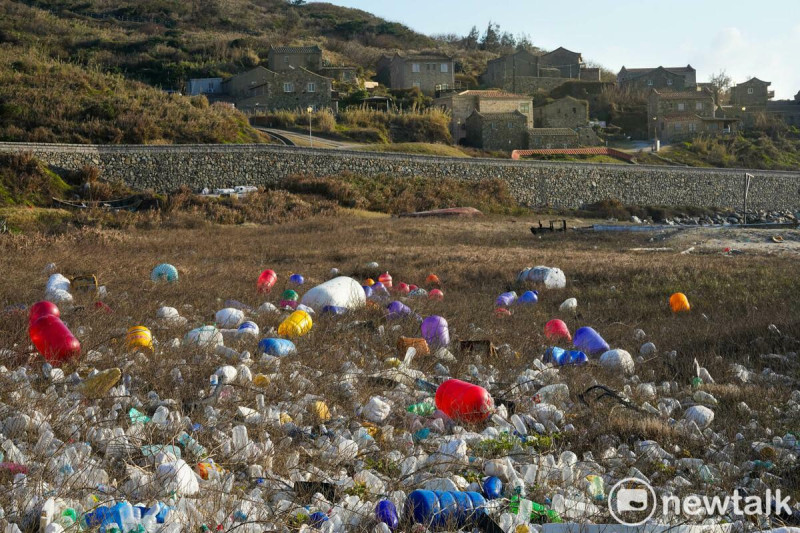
{"x": 296, "y": 325}
{"x": 139, "y": 337}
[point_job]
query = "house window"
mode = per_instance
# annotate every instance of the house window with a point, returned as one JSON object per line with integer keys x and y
{"x": 288, "y": 87}
{"x": 574, "y": 110}
{"x": 749, "y": 90}
{"x": 524, "y": 108}
{"x": 415, "y": 84}
{"x": 649, "y": 83}
{"x": 493, "y": 125}
{"x": 692, "y": 126}
{"x": 286, "y": 59}
{"x": 669, "y": 82}
{"x": 677, "y": 127}
{"x": 510, "y": 125}
{"x": 699, "y": 106}
{"x": 414, "y": 67}
{"x": 445, "y": 67}
{"x": 681, "y": 106}
{"x": 311, "y": 88}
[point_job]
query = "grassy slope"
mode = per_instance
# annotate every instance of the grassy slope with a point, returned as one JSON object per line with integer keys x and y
{"x": 417, "y": 148}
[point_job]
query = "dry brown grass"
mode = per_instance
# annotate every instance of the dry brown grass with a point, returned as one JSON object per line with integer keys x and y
{"x": 734, "y": 300}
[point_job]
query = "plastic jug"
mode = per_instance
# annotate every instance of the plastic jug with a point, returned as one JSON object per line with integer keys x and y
{"x": 54, "y": 340}
{"x": 296, "y": 325}
{"x": 139, "y": 337}
{"x": 276, "y": 347}
{"x": 386, "y": 512}
{"x": 43, "y": 308}
{"x": 588, "y": 340}
{"x": 435, "y": 331}
{"x": 164, "y": 272}
{"x": 464, "y": 401}
{"x": 557, "y": 330}
{"x": 386, "y": 279}
{"x": 506, "y": 299}
{"x": 562, "y": 357}
{"x": 267, "y": 280}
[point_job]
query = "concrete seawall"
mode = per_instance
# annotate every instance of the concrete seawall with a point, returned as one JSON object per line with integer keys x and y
{"x": 534, "y": 183}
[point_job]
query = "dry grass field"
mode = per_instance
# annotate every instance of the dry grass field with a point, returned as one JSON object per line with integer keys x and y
{"x": 734, "y": 301}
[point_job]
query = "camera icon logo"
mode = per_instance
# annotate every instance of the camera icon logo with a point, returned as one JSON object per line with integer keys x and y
{"x": 630, "y": 499}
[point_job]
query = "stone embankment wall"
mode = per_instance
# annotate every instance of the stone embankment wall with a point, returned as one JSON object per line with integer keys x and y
{"x": 564, "y": 185}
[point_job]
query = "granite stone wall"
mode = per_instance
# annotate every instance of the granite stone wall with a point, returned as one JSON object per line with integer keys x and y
{"x": 534, "y": 183}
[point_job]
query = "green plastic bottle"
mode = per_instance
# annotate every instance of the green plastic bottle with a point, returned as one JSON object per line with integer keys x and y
{"x": 421, "y": 409}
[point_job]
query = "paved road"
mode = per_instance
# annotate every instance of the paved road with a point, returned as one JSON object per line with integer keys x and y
{"x": 298, "y": 139}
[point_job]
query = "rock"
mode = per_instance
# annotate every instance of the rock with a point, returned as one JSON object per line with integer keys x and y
{"x": 617, "y": 360}
{"x": 569, "y": 305}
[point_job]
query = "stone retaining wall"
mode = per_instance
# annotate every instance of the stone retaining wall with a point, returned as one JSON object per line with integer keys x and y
{"x": 567, "y": 185}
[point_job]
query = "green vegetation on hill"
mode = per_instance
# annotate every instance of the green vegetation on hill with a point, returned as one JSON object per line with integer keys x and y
{"x": 45, "y": 100}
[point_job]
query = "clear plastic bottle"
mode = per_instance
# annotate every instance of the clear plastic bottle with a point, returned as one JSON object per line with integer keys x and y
{"x": 595, "y": 487}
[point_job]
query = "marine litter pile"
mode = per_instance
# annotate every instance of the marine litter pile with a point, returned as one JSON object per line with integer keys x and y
{"x": 350, "y": 404}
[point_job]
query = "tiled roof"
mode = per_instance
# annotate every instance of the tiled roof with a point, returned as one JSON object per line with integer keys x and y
{"x": 674, "y": 70}
{"x": 424, "y": 57}
{"x": 552, "y": 131}
{"x": 296, "y": 49}
{"x": 493, "y": 93}
{"x": 500, "y": 116}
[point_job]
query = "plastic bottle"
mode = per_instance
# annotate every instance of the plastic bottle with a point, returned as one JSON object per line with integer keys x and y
{"x": 422, "y": 408}
{"x": 43, "y": 308}
{"x": 595, "y": 488}
{"x": 403, "y": 288}
{"x": 556, "y": 330}
{"x": 276, "y": 347}
{"x": 436, "y": 295}
{"x": 296, "y": 325}
{"x": 386, "y": 279}
{"x": 190, "y": 444}
{"x": 492, "y": 487}
{"x": 386, "y": 513}
{"x": 54, "y": 340}
{"x": 528, "y": 297}
{"x": 464, "y": 401}
{"x": 435, "y": 331}
{"x": 296, "y": 279}
{"x": 139, "y": 337}
{"x": 589, "y": 341}
{"x": 562, "y": 357}
{"x": 164, "y": 272}
{"x": 506, "y": 299}
{"x": 267, "y": 280}
{"x": 449, "y": 510}
{"x": 398, "y": 310}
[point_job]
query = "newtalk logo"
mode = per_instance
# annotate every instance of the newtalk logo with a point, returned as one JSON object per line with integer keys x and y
{"x": 632, "y": 502}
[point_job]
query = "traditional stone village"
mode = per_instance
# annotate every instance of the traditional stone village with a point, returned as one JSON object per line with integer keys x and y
{"x": 524, "y": 100}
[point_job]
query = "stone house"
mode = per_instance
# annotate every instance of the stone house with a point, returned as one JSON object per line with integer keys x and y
{"x": 524, "y": 71}
{"x": 342, "y": 74}
{"x": 660, "y": 78}
{"x": 293, "y": 89}
{"x": 677, "y": 116}
{"x": 552, "y": 138}
{"x": 283, "y": 58}
{"x": 238, "y": 86}
{"x": 787, "y": 110}
{"x": 461, "y": 105}
{"x": 497, "y": 131}
{"x": 567, "y": 112}
{"x": 428, "y": 72}
{"x": 751, "y": 95}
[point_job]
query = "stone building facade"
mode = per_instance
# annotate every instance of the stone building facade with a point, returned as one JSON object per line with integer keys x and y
{"x": 677, "y": 116}
{"x": 427, "y": 72}
{"x": 660, "y": 78}
{"x": 751, "y": 95}
{"x": 525, "y": 72}
{"x": 565, "y": 112}
{"x": 284, "y": 58}
{"x": 462, "y": 105}
{"x": 497, "y": 131}
{"x": 294, "y": 89}
{"x": 238, "y": 87}
{"x": 553, "y": 138}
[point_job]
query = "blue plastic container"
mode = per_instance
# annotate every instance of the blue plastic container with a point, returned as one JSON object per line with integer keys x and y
{"x": 334, "y": 310}
{"x": 386, "y": 512}
{"x": 164, "y": 272}
{"x": 317, "y": 519}
{"x": 588, "y": 340}
{"x": 492, "y": 487}
{"x": 528, "y": 297}
{"x": 277, "y": 347}
{"x": 449, "y": 510}
{"x": 506, "y": 299}
{"x": 562, "y": 357}
{"x": 296, "y": 279}
{"x": 398, "y": 310}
